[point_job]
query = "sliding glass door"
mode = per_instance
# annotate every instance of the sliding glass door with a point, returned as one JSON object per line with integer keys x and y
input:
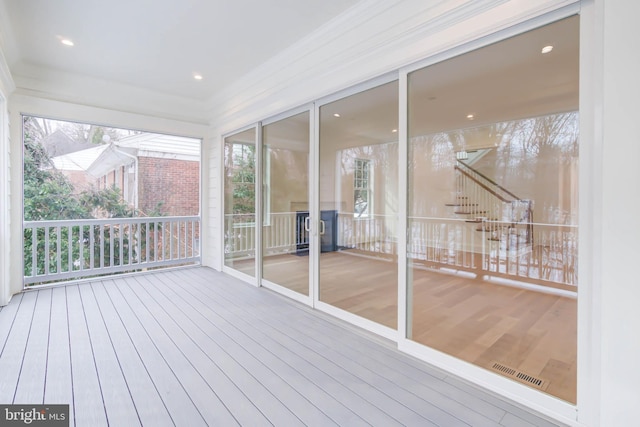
{"x": 240, "y": 202}
{"x": 490, "y": 246}
{"x": 492, "y": 249}
{"x": 285, "y": 201}
{"x": 358, "y": 204}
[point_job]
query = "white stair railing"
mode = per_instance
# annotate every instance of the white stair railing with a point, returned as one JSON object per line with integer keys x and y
{"x": 500, "y": 212}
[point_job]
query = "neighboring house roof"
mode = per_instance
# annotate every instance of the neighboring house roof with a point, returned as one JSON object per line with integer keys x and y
{"x": 78, "y": 160}
{"x": 99, "y": 160}
{"x": 166, "y": 146}
{"x": 96, "y": 161}
{"x": 111, "y": 158}
{"x": 59, "y": 143}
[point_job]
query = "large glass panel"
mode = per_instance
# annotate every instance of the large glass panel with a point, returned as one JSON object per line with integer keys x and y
{"x": 285, "y": 236}
{"x": 358, "y": 203}
{"x": 240, "y": 201}
{"x": 493, "y": 207}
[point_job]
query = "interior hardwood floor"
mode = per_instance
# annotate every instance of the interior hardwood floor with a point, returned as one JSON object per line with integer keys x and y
{"x": 360, "y": 285}
{"x": 290, "y": 271}
{"x": 522, "y": 330}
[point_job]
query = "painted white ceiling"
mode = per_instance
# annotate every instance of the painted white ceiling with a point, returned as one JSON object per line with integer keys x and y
{"x": 505, "y": 81}
{"x": 156, "y": 44}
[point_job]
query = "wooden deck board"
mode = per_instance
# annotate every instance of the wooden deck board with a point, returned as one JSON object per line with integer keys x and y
{"x": 261, "y": 365}
{"x": 15, "y": 344}
{"x": 295, "y": 369}
{"x": 515, "y": 412}
{"x": 161, "y": 358}
{"x": 150, "y": 407}
{"x": 203, "y": 354}
{"x": 8, "y": 314}
{"x": 171, "y": 343}
{"x": 30, "y": 387}
{"x": 58, "y": 381}
{"x": 116, "y": 396}
{"x": 298, "y": 393}
{"x": 329, "y": 351}
{"x": 358, "y": 388}
{"x": 197, "y": 347}
{"x": 89, "y": 406}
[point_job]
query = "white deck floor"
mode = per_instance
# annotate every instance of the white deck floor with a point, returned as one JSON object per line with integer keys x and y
{"x": 196, "y": 347}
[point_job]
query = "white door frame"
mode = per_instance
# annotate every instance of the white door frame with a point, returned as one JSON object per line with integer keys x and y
{"x": 305, "y": 299}
{"x": 535, "y": 399}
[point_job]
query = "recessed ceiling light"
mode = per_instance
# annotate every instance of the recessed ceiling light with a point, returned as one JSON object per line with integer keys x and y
{"x": 547, "y": 49}
{"x": 470, "y": 116}
{"x": 66, "y": 42}
{"x": 336, "y": 115}
{"x": 197, "y": 76}
{"x": 394, "y": 130}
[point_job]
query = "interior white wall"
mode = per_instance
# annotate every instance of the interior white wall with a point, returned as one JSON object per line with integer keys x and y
{"x": 20, "y": 104}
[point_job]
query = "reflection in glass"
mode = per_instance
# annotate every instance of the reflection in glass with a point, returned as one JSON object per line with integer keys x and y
{"x": 240, "y": 201}
{"x": 358, "y": 202}
{"x": 285, "y": 235}
{"x": 493, "y": 200}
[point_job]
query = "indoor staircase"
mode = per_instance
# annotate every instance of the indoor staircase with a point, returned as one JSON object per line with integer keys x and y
{"x": 501, "y": 216}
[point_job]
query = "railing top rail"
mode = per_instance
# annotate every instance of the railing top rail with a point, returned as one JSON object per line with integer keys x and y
{"x": 490, "y": 181}
{"x": 126, "y": 220}
{"x": 483, "y": 185}
{"x": 370, "y": 215}
{"x": 463, "y": 220}
{"x": 339, "y": 213}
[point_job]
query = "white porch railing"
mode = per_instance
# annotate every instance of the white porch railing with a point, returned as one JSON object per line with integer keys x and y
{"x": 71, "y": 249}
{"x": 549, "y": 255}
{"x": 283, "y": 233}
{"x": 375, "y": 234}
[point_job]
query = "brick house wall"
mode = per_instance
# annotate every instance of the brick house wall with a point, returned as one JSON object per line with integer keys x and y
{"x": 109, "y": 180}
{"x": 174, "y": 182}
{"x": 80, "y": 180}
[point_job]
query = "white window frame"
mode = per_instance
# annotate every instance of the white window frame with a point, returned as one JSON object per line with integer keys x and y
{"x": 359, "y": 166}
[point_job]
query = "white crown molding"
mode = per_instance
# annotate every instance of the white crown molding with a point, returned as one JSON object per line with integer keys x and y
{"x": 84, "y": 90}
{"x": 372, "y": 38}
{"x": 65, "y": 110}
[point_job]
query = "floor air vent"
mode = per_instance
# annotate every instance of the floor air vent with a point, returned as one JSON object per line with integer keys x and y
{"x": 520, "y": 376}
{"x": 504, "y": 369}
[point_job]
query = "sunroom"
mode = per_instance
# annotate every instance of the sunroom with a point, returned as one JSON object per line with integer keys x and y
{"x": 448, "y": 178}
